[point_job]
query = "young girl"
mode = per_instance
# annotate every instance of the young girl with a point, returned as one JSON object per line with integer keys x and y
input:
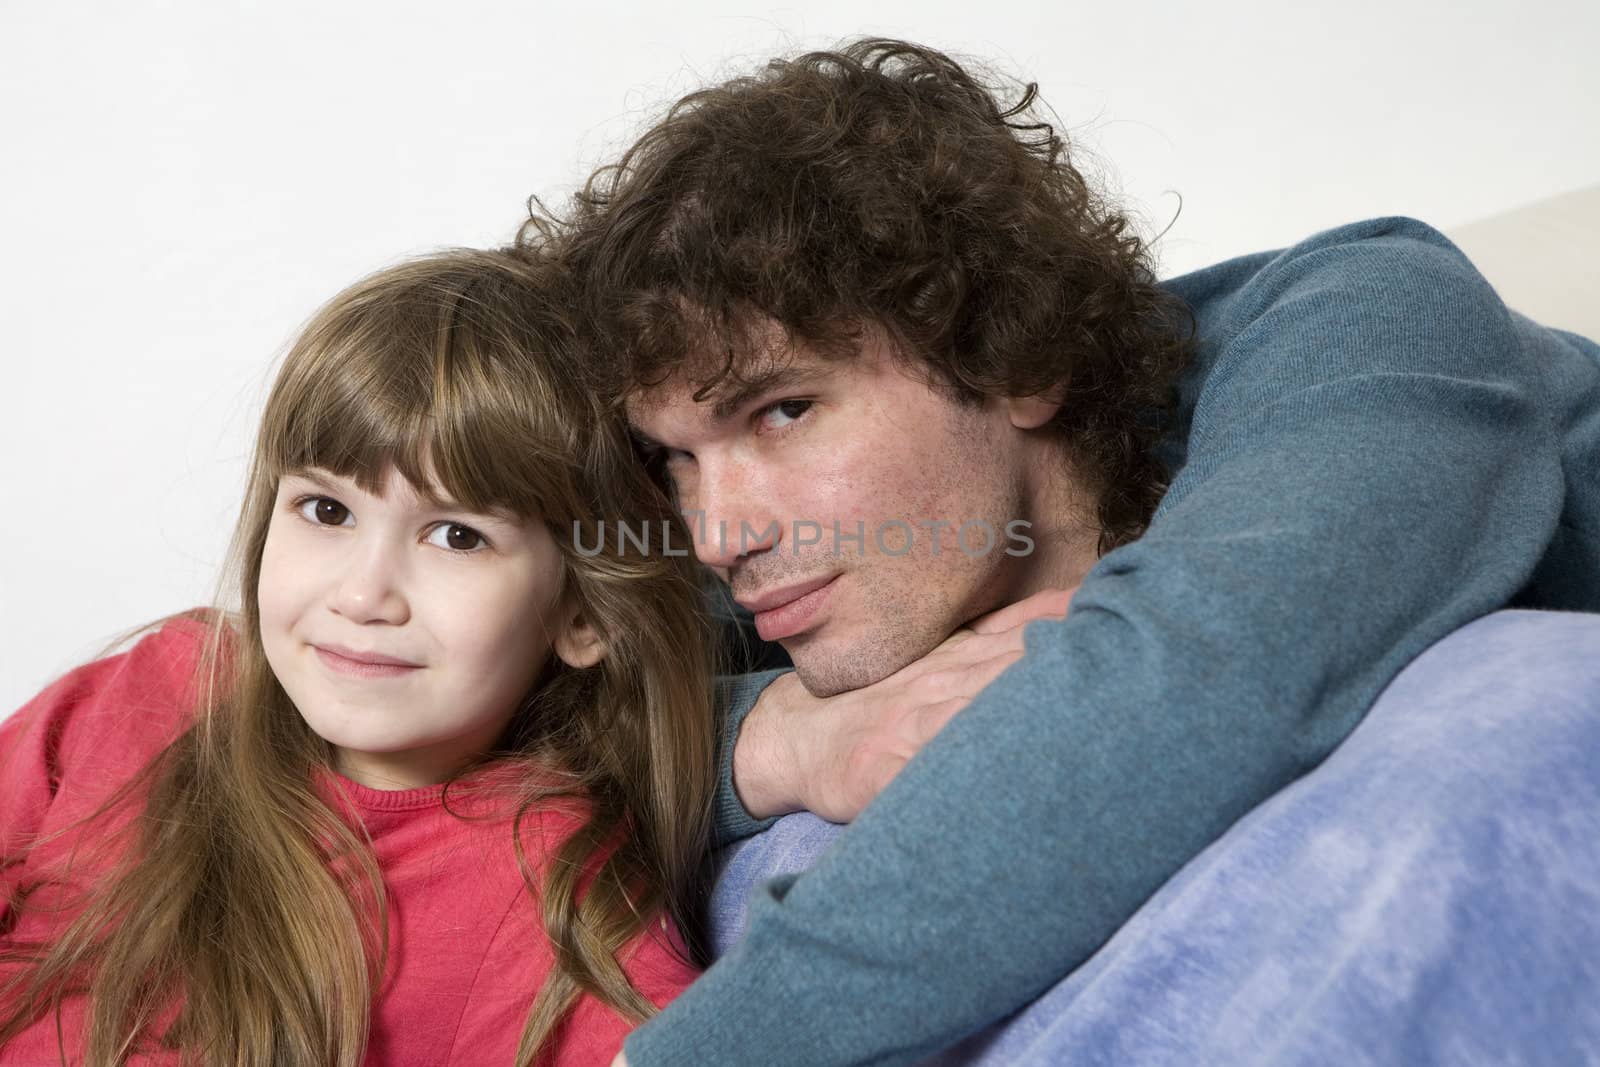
{"x": 436, "y": 792}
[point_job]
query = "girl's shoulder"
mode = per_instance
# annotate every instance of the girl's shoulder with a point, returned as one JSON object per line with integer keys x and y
{"x": 152, "y": 681}
{"x": 107, "y": 717}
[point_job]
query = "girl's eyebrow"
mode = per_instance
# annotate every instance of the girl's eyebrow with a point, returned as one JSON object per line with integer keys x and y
{"x": 332, "y": 483}
{"x": 338, "y": 486}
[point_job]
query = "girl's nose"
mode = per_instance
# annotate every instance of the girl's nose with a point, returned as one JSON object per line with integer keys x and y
{"x": 370, "y": 589}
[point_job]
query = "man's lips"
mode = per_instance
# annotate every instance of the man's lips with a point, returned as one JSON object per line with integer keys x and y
{"x": 789, "y": 611}
{"x": 777, "y": 598}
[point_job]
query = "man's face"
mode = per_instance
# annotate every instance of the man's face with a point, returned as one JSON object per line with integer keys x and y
{"x": 765, "y": 483}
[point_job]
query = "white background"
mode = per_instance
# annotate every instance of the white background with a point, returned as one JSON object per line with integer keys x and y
{"x": 182, "y": 183}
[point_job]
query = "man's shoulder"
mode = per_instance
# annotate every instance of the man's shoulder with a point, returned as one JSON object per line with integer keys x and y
{"x": 1398, "y": 255}
{"x": 1400, "y": 231}
{"x": 1382, "y": 295}
{"x": 1389, "y": 296}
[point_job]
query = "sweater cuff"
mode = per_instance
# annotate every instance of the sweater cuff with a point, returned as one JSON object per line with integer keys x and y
{"x": 736, "y": 696}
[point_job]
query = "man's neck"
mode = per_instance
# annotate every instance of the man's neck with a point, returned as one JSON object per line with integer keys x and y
{"x": 1065, "y": 529}
{"x": 1060, "y": 559}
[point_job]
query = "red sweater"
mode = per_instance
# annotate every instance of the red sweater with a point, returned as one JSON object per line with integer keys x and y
{"x": 467, "y": 951}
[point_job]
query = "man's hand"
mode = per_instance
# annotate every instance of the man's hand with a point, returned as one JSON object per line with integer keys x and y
{"x": 833, "y": 755}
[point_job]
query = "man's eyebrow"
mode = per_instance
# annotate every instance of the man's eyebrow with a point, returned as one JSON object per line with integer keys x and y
{"x": 728, "y": 402}
{"x": 726, "y": 405}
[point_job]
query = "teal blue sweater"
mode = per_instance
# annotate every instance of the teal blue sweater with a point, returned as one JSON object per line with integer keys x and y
{"x": 1372, "y": 452}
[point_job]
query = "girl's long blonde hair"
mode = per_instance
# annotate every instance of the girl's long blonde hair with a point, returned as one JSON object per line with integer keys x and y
{"x": 243, "y": 901}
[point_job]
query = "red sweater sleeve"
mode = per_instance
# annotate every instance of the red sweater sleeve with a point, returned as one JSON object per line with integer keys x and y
{"x": 93, "y": 727}
{"x": 30, "y": 742}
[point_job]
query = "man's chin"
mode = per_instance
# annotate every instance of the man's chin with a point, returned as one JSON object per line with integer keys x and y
{"x": 827, "y": 668}
{"x": 824, "y": 684}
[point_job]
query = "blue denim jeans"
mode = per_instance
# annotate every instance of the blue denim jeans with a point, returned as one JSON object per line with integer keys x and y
{"x": 1430, "y": 894}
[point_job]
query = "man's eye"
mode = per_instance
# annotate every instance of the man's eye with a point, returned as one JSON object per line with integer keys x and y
{"x": 325, "y": 511}
{"x": 456, "y": 537}
{"x": 780, "y": 415}
{"x": 652, "y": 454}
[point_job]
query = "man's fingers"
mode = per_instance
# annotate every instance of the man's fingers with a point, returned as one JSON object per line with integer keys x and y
{"x": 980, "y": 675}
{"x": 901, "y": 713}
{"x": 965, "y": 687}
{"x": 931, "y": 718}
{"x": 950, "y": 667}
{"x": 1047, "y": 603}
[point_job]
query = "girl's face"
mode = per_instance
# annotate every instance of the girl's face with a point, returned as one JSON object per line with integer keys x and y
{"x": 407, "y": 635}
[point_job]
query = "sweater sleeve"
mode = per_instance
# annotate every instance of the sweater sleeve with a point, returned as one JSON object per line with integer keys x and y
{"x": 736, "y": 698}
{"x": 96, "y": 723}
{"x": 30, "y": 771}
{"x": 1369, "y": 467}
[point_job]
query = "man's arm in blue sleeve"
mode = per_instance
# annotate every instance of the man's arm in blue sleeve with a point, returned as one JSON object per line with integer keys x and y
{"x": 1368, "y": 468}
{"x": 736, "y": 696}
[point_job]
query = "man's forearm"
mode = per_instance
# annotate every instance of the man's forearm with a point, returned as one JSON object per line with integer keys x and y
{"x": 737, "y": 698}
{"x": 764, "y": 763}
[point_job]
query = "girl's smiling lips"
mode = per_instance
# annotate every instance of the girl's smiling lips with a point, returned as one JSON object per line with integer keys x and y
{"x": 364, "y": 664}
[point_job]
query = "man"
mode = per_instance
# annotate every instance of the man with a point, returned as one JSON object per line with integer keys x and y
{"x": 877, "y": 332}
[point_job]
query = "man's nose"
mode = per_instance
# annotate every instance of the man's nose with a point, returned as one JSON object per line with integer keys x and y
{"x": 729, "y": 515}
{"x": 371, "y": 587}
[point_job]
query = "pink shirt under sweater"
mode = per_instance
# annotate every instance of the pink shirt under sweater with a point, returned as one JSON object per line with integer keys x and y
{"x": 467, "y": 951}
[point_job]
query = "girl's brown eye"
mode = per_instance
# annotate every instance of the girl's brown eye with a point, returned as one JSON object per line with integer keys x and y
{"x": 456, "y": 537}
{"x": 324, "y": 511}
{"x": 462, "y": 538}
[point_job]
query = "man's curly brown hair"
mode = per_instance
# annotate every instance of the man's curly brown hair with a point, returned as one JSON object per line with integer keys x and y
{"x": 884, "y": 186}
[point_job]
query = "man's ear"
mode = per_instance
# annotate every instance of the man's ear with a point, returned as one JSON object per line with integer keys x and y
{"x": 578, "y": 643}
{"x": 1031, "y": 412}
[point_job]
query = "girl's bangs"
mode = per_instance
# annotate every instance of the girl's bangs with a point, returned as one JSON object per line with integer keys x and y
{"x": 460, "y": 408}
